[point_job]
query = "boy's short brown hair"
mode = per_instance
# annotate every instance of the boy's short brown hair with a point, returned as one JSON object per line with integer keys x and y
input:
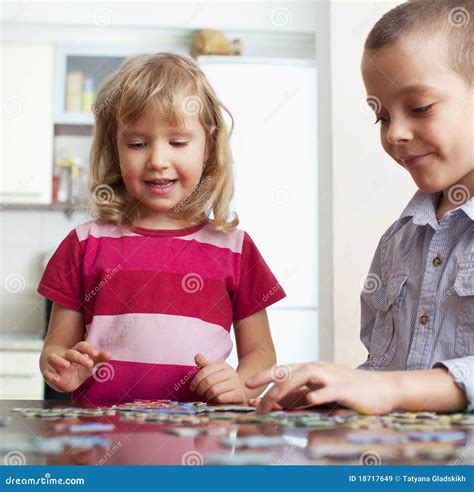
{"x": 451, "y": 18}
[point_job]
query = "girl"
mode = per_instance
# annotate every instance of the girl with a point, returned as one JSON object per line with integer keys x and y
{"x": 146, "y": 293}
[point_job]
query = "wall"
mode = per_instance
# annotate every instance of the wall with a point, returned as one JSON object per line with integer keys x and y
{"x": 369, "y": 190}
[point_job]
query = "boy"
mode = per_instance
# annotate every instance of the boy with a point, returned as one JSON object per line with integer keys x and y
{"x": 418, "y": 305}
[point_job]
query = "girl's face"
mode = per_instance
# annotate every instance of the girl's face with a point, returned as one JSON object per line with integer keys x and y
{"x": 160, "y": 165}
{"x": 425, "y": 112}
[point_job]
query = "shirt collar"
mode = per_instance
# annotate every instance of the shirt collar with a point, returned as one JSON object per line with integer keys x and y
{"x": 422, "y": 209}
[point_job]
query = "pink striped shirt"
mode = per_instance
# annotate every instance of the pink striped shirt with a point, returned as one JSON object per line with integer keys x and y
{"x": 154, "y": 299}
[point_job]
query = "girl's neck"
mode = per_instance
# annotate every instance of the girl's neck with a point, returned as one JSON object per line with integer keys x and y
{"x": 162, "y": 223}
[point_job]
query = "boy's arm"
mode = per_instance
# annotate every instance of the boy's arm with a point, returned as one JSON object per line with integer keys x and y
{"x": 255, "y": 348}
{"x": 462, "y": 372}
{"x": 431, "y": 390}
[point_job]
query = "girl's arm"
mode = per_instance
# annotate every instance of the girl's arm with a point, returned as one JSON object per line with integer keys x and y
{"x": 66, "y": 361}
{"x": 254, "y": 348}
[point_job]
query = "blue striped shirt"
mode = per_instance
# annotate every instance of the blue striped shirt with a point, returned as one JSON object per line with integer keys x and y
{"x": 418, "y": 299}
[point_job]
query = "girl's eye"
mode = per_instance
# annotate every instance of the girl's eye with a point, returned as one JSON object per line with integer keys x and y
{"x": 380, "y": 119}
{"x": 137, "y": 145}
{"x": 422, "y": 109}
{"x": 178, "y": 144}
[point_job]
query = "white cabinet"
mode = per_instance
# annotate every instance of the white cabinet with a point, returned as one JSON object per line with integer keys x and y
{"x": 20, "y": 376}
{"x": 27, "y": 123}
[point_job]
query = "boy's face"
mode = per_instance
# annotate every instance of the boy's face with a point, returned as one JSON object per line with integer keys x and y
{"x": 426, "y": 112}
{"x": 161, "y": 166}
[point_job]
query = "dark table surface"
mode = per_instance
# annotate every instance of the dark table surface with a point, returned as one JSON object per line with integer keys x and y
{"x": 145, "y": 444}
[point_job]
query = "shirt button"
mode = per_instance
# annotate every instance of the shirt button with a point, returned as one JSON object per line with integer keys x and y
{"x": 437, "y": 261}
{"x": 424, "y": 319}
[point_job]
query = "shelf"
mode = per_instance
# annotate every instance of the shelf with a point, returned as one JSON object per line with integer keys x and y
{"x": 67, "y": 208}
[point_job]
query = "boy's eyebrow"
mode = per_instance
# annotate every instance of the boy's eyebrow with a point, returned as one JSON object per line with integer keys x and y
{"x": 415, "y": 88}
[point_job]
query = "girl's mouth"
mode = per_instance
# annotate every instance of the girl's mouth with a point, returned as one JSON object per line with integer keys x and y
{"x": 161, "y": 186}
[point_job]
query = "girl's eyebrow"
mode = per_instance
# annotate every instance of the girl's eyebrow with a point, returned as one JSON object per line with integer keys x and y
{"x": 175, "y": 132}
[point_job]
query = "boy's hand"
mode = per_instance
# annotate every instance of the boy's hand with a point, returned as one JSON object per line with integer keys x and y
{"x": 72, "y": 368}
{"x": 319, "y": 383}
{"x": 217, "y": 382}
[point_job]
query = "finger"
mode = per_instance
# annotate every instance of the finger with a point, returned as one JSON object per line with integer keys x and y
{"x": 233, "y": 396}
{"x": 75, "y": 356}
{"x": 278, "y": 391}
{"x": 263, "y": 377}
{"x": 103, "y": 357}
{"x": 201, "y": 361}
{"x": 322, "y": 396}
{"x": 57, "y": 362}
{"x": 268, "y": 376}
{"x": 86, "y": 348}
{"x": 218, "y": 389}
{"x": 51, "y": 376}
{"x": 211, "y": 380}
{"x": 204, "y": 373}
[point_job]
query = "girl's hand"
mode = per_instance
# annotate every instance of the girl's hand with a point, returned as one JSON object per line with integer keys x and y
{"x": 319, "y": 383}
{"x": 217, "y": 382}
{"x": 72, "y": 368}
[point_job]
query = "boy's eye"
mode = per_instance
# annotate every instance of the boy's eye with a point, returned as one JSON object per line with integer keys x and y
{"x": 380, "y": 119}
{"x": 422, "y": 109}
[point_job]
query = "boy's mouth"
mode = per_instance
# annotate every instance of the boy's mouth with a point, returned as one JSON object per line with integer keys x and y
{"x": 411, "y": 160}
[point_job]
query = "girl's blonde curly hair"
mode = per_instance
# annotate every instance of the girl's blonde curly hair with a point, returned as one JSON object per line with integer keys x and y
{"x": 174, "y": 85}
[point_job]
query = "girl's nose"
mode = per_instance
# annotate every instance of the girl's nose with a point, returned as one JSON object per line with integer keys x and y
{"x": 399, "y": 131}
{"x": 159, "y": 158}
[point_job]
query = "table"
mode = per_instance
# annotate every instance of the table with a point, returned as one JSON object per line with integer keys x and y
{"x": 146, "y": 444}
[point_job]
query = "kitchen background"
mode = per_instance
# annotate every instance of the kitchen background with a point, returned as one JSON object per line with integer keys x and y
{"x": 291, "y": 145}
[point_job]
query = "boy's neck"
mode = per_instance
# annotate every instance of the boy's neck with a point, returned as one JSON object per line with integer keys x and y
{"x": 461, "y": 192}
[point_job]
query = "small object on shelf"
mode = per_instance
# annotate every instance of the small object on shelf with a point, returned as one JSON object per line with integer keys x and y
{"x": 70, "y": 183}
{"x": 74, "y": 91}
{"x": 213, "y": 42}
{"x": 88, "y": 95}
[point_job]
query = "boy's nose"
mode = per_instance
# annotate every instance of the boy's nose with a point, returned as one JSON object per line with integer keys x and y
{"x": 398, "y": 132}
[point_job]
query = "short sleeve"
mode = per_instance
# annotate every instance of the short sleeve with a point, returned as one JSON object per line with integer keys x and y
{"x": 62, "y": 278}
{"x": 257, "y": 288}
